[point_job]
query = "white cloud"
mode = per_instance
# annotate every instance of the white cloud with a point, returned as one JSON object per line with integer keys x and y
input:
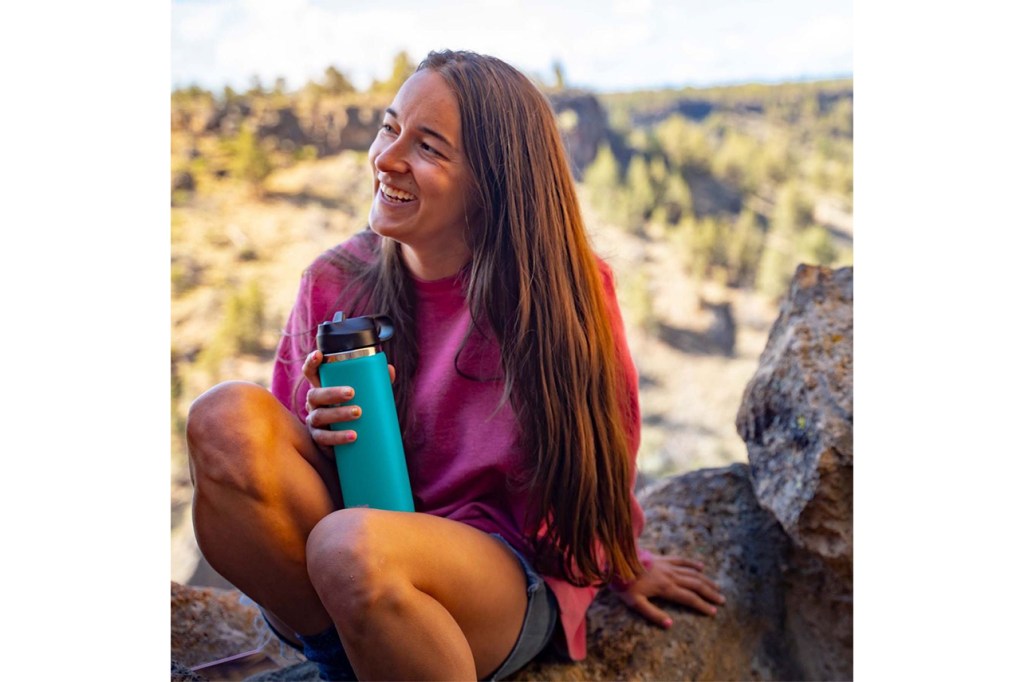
{"x": 602, "y": 43}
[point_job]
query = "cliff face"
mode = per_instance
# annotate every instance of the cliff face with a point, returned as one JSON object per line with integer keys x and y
{"x": 777, "y": 535}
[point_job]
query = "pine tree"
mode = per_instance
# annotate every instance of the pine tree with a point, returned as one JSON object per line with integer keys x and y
{"x": 640, "y": 195}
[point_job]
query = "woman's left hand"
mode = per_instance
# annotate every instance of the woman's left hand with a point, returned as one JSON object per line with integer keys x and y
{"x": 675, "y": 578}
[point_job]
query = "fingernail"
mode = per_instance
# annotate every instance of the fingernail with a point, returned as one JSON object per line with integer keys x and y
{"x": 355, "y": 412}
{"x": 667, "y": 623}
{"x": 714, "y": 610}
{"x": 351, "y": 436}
{"x": 347, "y": 393}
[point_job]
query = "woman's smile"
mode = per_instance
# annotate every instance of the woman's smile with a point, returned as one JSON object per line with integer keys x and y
{"x": 393, "y": 194}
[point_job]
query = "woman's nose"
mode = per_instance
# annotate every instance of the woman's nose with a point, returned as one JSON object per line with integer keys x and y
{"x": 392, "y": 158}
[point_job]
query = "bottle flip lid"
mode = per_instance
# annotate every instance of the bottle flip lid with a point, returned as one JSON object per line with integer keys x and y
{"x": 343, "y": 334}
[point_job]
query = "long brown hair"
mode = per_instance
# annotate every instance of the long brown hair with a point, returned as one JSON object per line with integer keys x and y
{"x": 532, "y": 282}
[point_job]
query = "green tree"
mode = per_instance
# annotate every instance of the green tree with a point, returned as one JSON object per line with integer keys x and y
{"x": 677, "y": 200}
{"x": 731, "y": 161}
{"x": 790, "y": 216}
{"x": 249, "y": 160}
{"x": 640, "y": 196}
{"x": 702, "y": 243}
{"x": 683, "y": 143}
{"x": 241, "y": 329}
{"x": 401, "y": 69}
{"x": 255, "y": 87}
{"x": 336, "y": 83}
{"x": 559, "y": 73}
{"x": 601, "y": 180}
{"x": 815, "y": 246}
{"x": 743, "y": 249}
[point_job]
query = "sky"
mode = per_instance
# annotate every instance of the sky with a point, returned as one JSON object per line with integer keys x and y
{"x": 603, "y": 45}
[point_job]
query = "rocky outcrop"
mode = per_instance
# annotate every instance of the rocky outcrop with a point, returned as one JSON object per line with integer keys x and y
{"x": 777, "y": 534}
{"x": 797, "y": 420}
{"x": 584, "y": 126}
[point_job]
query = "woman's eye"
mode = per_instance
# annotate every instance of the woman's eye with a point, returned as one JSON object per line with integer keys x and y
{"x": 430, "y": 150}
{"x": 386, "y": 127}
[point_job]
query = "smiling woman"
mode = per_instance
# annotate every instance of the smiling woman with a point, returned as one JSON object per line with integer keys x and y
{"x": 516, "y": 395}
{"x": 423, "y": 188}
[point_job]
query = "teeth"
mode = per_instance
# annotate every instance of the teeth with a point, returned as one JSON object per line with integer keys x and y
{"x": 397, "y": 194}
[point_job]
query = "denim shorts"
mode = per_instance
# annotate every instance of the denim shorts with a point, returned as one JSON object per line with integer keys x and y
{"x": 538, "y": 623}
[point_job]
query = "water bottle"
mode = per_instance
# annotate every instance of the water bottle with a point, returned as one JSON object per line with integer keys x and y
{"x": 372, "y": 468}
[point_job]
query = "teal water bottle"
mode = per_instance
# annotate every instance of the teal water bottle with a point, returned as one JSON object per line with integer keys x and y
{"x": 372, "y": 468}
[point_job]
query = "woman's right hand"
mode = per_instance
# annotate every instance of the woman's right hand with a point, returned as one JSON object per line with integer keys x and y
{"x": 328, "y": 406}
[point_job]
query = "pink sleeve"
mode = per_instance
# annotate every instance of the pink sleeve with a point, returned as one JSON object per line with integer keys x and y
{"x": 631, "y": 407}
{"x": 320, "y": 295}
{"x": 298, "y": 339}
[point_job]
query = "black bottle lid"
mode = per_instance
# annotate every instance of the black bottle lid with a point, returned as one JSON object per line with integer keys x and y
{"x": 344, "y": 334}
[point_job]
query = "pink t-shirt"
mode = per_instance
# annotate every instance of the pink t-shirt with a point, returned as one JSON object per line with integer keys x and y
{"x": 462, "y": 449}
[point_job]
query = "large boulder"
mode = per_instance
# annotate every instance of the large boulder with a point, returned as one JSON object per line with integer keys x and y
{"x": 797, "y": 420}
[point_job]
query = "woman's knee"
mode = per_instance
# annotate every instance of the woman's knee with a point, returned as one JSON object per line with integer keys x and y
{"x": 227, "y": 429}
{"x": 347, "y": 564}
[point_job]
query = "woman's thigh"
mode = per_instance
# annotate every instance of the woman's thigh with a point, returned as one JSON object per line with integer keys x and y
{"x": 364, "y": 556}
{"x": 239, "y": 431}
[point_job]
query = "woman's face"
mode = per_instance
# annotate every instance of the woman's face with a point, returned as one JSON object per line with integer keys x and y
{"x": 421, "y": 178}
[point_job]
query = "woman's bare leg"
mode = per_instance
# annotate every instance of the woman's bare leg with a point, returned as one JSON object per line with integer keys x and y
{"x": 261, "y": 486}
{"x": 413, "y": 596}
{"x": 416, "y": 596}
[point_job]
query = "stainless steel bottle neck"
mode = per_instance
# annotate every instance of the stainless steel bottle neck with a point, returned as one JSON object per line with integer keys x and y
{"x": 352, "y": 354}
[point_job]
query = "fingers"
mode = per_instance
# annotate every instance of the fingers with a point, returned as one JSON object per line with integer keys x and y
{"x": 692, "y": 599}
{"x": 331, "y": 396}
{"x": 319, "y": 421}
{"x": 686, "y": 563}
{"x": 327, "y": 438}
{"x": 326, "y": 406}
{"x": 699, "y": 583}
{"x": 323, "y": 417}
{"x": 311, "y": 366}
{"x": 689, "y": 587}
{"x": 391, "y": 371}
{"x": 645, "y": 608}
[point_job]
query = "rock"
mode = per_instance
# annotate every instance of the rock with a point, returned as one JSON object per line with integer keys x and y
{"x": 797, "y": 415}
{"x": 797, "y": 420}
{"x": 711, "y": 515}
{"x": 583, "y": 124}
{"x": 282, "y": 126}
{"x": 182, "y": 673}
{"x": 210, "y": 624}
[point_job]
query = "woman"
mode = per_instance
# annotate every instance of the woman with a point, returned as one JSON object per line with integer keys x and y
{"x": 517, "y": 398}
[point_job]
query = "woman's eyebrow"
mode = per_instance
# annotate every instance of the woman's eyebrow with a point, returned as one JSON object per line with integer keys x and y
{"x": 423, "y": 128}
